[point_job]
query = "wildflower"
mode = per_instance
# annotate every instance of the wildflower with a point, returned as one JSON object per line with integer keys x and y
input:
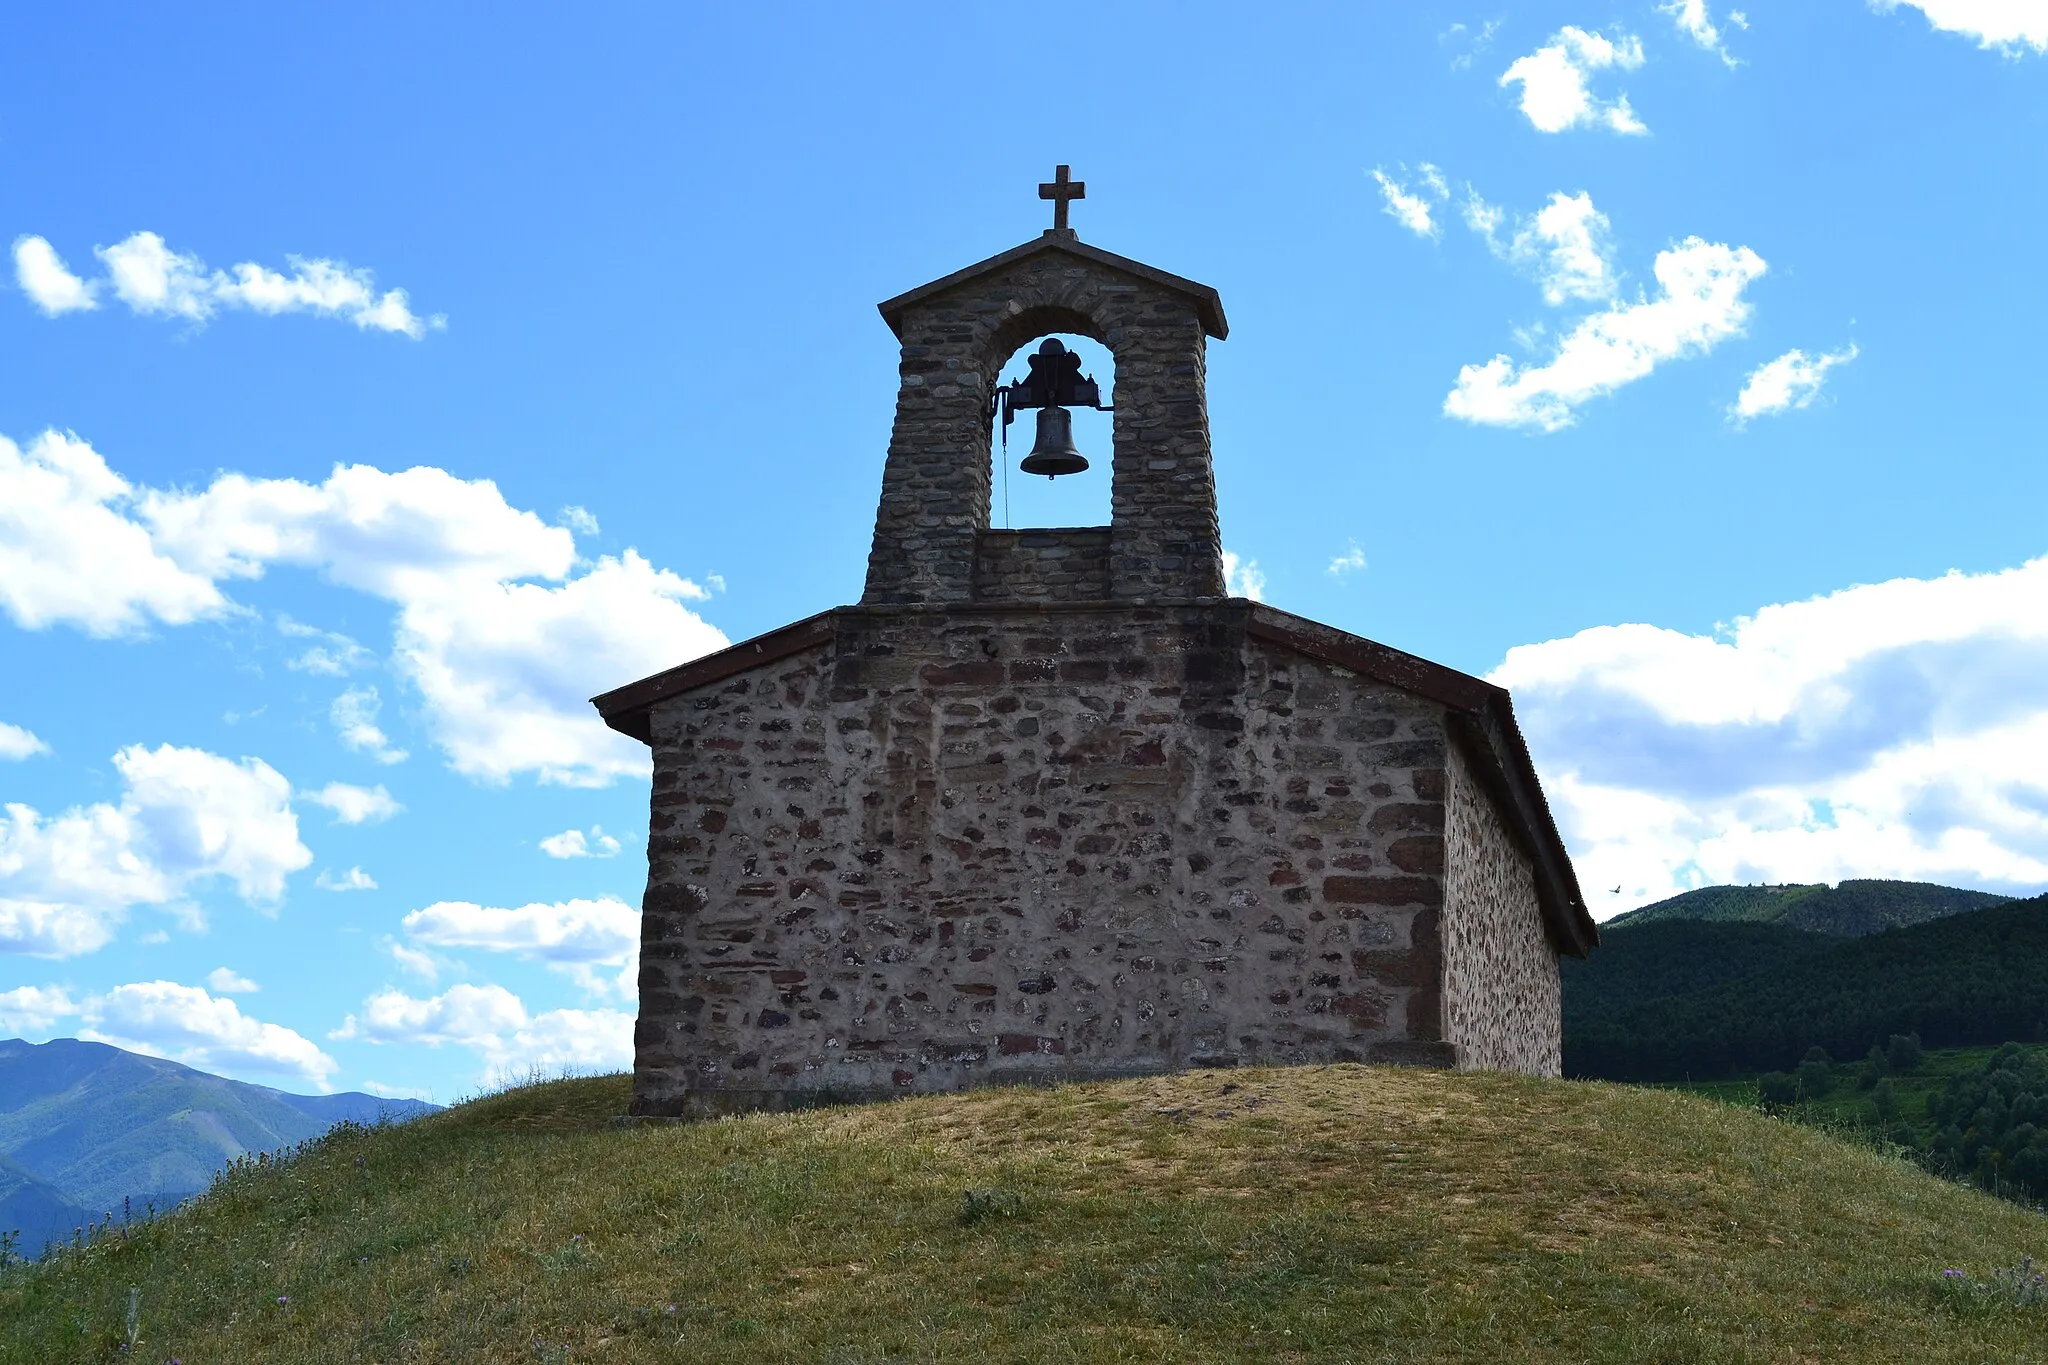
{"x": 284, "y": 1298}
{"x": 1952, "y": 1274}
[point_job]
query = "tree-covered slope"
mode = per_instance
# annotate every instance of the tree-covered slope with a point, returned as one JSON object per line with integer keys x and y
{"x": 103, "y": 1125}
{"x": 1307, "y": 1214}
{"x": 1674, "y": 957}
{"x": 1851, "y": 910}
{"x": 1969, "y": 979}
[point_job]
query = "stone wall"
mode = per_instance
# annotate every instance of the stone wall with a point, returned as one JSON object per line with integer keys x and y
{"x": 1502, "y": 998}
{"x": 955, "y": 848}
{"x": 1069, "y": 564}
{"x": 935, "y": 484}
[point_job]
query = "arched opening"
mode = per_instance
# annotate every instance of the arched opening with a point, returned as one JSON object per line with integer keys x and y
{"x": 1019, "y": 500}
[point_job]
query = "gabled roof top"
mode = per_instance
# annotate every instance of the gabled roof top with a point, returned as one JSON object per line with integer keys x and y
{"x": 1208, "y": 303}
{"x": 1481, "y": 722}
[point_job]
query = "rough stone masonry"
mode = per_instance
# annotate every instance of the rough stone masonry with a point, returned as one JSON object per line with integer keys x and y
{"x": 1047, "y": 804}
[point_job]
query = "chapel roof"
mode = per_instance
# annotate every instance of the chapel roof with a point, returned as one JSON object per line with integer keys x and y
{"x": 1208, "y": 303}
{"x": 1481, "y": 721}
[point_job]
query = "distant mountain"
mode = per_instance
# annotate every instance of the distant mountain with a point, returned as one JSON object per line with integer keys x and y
{"x": 93, "y": 1125}
{"x": 1969, "y": 979}
{"x": 34, "y": 1210}
{"x": 1852, "y": 909}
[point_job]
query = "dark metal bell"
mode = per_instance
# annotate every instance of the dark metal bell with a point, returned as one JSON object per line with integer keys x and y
{"x": 1053, "y": 453}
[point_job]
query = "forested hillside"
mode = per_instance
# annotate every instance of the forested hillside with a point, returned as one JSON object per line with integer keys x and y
{"x": 1969, "y": 979}
{"x": 1851, "y": 910}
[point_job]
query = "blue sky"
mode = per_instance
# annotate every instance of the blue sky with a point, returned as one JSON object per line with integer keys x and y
{"x": 376, "y": 386}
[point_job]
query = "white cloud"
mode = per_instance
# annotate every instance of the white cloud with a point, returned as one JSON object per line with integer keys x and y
{"x": 412, "y": 960}
{"x": 335, "y": 656}
{"x": 1243, "y": 577}
{"x": 1699, "y": 304}
{"x": 575, "y": 937}
{"x": 1696, "y": 22}
{"x": 34, "y": 1009}
{"x": 1411, "y": 209}
{"x": 185, "y": 1024}
{"x": 492, "y": 1022}
{"x": 355, "y": 879}
{"x": 1470, "y": 43}
{"x": 572, "y": 843}
{"x": 69, "y": 553}
{"x": 1567, "y": 245}
{"x": 505, "y": 665}
{"x": 355, "y": 805}
{"x": 1350, "y": 562}
{"x": 226, "y": 981}
{"x": 354, "y": 714}
{"x": 151, "y": 278}
{"x": 2008, "y": 25}
{"x": 1555, "y": 94}
{"x": 47, "y": 281}
{"x": 577, "y": 519}
{"x": 1898, "y": 729}
{"x": 185, "y": 816}
{"x": 1793, "y": 380}
{"x": 17, "y": 743}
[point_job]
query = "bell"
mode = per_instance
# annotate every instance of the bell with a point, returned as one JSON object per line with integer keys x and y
{"x": 1053, "y": 453}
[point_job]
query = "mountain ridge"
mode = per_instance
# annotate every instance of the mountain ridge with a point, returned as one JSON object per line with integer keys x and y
{"x": 106, "y": 1130}
{"x": 1852, "y": 908}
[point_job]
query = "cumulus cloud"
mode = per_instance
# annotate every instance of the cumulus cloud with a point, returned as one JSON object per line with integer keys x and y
{"x": 1556, "y": 93}
{"x": 355, "y": 805}
{"x": 493, "y": 1022}
{"x": 151, "y": 279}
{"x": 1696, "y": 21}
{"x": 2010, "y": 26}
{"x": 71, "y": 553}
{"x": 573, "y": 843}
{"x": 185, "y": 817}
{"x": 355, "y": 879}
{"x": 226, "y": 981}
{"x": 1243, "y": 577}
{"x": 47, "y": 281}
{"x": 1699, "y": 304}
{"x": 575, "y": 937}
{"x": 186, "y": 1024}
{"x": 1793, "y": 380}
{"x": 503, "y": 631}
{"x": 354, "y": 714}
{"x": 334, "y": 655}
{"x": 34, "y": 1009}
{"x": 1411, "y": 208}
{"x": 1567, "y": 245}
{"x": 1350, "y": 562}
{"x": 1897, "y": 729}
{"x": 17, "y": 743}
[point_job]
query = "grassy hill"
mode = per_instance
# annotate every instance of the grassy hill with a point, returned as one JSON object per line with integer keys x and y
{"x": 1852, "y": 909}
{"x": 1325, "y": 1214}
{"x": 1969, "y": 979}
{"x": 97, "y": 1124}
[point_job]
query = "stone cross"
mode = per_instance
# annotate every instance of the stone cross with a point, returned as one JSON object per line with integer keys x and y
{"x": 1060, "y": 191}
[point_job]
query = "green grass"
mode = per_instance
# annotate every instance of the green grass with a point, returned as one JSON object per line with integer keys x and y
{"x": 1326, "y": 1214}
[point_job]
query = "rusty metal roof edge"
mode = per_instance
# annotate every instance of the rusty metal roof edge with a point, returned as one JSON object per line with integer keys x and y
{"x": 1211, "y": 302}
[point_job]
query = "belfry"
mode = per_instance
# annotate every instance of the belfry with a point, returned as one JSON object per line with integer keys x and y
{"x": 1049, "y": 804}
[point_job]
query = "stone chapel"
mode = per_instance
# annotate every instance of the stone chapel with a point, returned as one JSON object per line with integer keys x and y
{"x": 1050, "y": 805}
